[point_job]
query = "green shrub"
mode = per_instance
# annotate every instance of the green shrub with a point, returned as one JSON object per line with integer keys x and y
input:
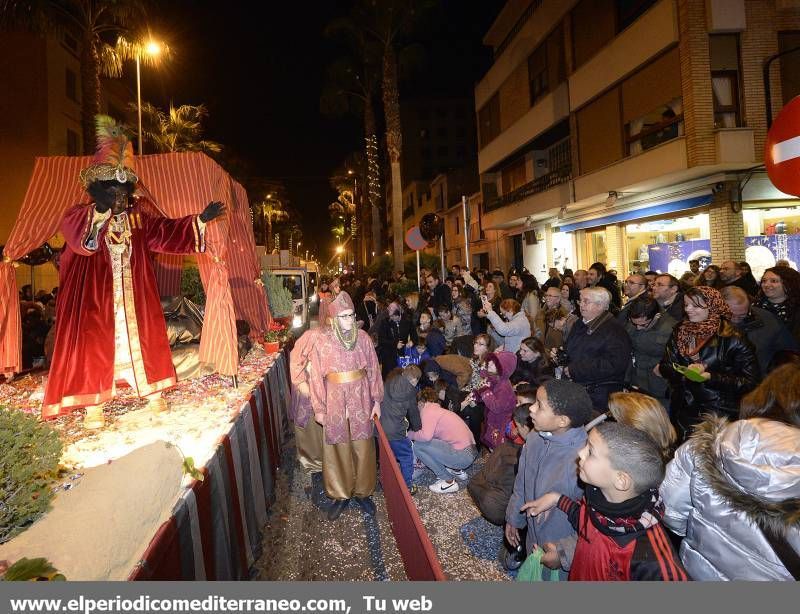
{"x": 280, "y": 299}
{"x": 192, "y": 286}
{"x": 29, "y": 455}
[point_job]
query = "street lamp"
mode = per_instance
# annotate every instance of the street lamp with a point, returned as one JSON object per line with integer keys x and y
{"x": 152, "y": 49}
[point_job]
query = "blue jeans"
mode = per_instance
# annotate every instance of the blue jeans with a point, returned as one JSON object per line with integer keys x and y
{"x": 405, "y": 458}
{"x": 437, "y": 455}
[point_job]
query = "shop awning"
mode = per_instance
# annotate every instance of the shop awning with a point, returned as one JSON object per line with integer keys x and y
{"x": 637, "y": 214}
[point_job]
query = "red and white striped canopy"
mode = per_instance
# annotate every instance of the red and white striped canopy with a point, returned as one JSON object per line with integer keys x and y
{"x": 179, "y": 184}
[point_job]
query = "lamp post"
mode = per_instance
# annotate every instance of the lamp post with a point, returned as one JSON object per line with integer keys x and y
{"x": 153, "y": 49}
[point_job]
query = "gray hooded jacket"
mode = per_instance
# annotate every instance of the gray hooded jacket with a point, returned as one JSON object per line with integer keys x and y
{"x": 722, "y": 481}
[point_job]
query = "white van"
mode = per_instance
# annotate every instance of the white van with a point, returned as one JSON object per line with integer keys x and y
{"x": 295, "y": 280}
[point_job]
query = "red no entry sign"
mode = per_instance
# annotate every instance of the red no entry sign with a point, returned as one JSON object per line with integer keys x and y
{"x": 782, "y": 149}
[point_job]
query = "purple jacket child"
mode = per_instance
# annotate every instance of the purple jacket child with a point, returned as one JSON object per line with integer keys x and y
{"x": 498, "y": 397}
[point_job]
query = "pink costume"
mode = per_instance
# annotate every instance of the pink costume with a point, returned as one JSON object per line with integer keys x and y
{"x": 307, "y": 433}
{"x": 351, "y": 401}
{"x": 346, "y": 384}
{"x": 300, "y": 410}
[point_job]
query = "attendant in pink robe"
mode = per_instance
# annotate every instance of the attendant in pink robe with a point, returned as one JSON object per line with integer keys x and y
{"x": 346, "y": 392}
{"x": 307, "y": 431}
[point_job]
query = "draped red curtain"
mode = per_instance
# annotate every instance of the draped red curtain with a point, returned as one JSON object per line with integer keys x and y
{"x": 179, "y": 184}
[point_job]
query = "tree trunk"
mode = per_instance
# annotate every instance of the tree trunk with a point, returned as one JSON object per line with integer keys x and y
{"x": 90, "y": 92}
{"x": 394, "y": 146}
{"x": 372, "y": 201}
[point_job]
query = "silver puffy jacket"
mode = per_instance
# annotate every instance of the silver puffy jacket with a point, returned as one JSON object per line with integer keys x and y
{"x": 718, "y": 482}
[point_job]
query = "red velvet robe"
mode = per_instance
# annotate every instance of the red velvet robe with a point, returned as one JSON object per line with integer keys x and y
{"x": 82, "y": 370}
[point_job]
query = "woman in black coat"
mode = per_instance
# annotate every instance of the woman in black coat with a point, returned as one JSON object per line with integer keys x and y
{"x": 533, "y": 366}
{"x": 725, "y": 361}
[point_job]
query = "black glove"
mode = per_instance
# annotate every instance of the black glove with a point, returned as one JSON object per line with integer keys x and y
{"x": 212, "y": 211}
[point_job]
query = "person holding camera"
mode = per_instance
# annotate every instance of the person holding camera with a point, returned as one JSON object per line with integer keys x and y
{"x": 598, "y": 350}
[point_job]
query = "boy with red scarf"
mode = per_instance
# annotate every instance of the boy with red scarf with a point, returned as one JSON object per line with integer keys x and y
{"x": 618, "y": 521}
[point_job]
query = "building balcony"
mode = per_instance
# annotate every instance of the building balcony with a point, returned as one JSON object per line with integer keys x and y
{"x": 644, "y": 169}
{"x": 542, "y": 116}
{"x": 540, "y": 184}
{"x": 648, "y": 36}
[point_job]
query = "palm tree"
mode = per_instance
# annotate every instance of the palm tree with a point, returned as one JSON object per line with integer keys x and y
{"x": 94, "y": 22}
{"x": 270, "y": 211}
{"x": 179, "y": 130}
{"x": 350, "y": 87}
{"x": 389, "y": 22}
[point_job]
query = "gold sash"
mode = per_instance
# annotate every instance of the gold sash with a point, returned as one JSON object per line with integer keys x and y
{"x": 343, "y": 377}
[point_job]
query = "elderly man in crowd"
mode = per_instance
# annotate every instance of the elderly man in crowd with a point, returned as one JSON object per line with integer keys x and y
{"x": 764, "y": 330}
{"x": 598, "y": 349}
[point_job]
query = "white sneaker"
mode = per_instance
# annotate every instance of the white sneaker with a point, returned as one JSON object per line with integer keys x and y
{"x": 457, "y": 473}
{"x": 443, "y": 487}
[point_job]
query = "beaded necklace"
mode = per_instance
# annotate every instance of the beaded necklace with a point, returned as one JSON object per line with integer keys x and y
{"x": 346, "y": 338}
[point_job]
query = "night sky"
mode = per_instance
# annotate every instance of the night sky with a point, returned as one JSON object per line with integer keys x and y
{"x": 259, "y": 68}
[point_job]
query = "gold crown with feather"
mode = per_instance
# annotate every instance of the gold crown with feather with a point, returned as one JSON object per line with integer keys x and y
{"x": 113, "y": 158}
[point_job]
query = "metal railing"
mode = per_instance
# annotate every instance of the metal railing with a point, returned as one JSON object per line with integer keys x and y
{"x": 526, "y": 15}
{"x": 538, "y": 185}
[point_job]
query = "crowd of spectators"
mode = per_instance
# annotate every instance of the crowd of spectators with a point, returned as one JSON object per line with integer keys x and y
{"x": 643, "y": 429}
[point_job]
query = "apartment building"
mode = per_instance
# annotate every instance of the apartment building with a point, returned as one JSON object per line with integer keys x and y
{"x": 483, "y": 249}
{"x": 40, "y": 115}
{"x": 439, "y": 135}
{"x": 632, "y": 132}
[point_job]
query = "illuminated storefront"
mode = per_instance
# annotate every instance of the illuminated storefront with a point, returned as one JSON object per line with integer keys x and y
{"x": 667, "y": 245}
{"x": 771, "y": 233}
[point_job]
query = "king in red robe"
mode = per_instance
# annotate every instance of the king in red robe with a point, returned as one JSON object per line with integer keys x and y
{"x": 87, "y": 336}
{"x": 109, "y": 321}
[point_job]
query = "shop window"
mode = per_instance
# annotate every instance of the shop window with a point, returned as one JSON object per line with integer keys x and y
{"x": 789, "y": 64}
{"x": 71, "y": 85}
{"x": 724, "y": 53}
{"x": 441, "y": 132}
{"x": 489, "y": 120}
{"x": 596, "y": 245}
{"x": 442, "y": 151}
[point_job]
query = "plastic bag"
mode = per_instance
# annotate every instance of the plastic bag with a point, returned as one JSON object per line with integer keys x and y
{"x": 532, "y": 569}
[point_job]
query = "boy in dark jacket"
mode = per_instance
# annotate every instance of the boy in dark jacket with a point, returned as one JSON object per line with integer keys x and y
{"x": 399, "y": 413}
{"x": 618, "y": 520}
{"x": 492, "y": 486}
